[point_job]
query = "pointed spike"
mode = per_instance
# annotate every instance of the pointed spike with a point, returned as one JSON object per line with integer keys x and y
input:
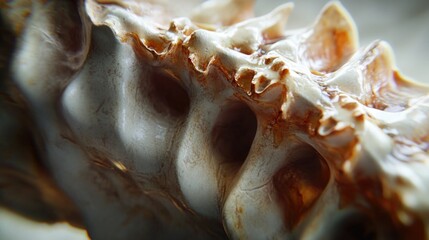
{"x": 332, "y": 40}
{"x": 144, "y": 31}
{"x": 387, "y": 57}
{"x": 381, "y": 79}
{"x": 272, "y": 24}
{"x": 224, "y": 12}
{"x": 371, "y": 67}
{"x": 378, "y": 65}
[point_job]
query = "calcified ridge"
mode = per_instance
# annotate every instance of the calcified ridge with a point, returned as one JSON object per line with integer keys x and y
{"x": 157, "y": 120}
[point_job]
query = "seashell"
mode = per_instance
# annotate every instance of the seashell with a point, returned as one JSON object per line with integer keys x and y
{"x": 145, "y": 118}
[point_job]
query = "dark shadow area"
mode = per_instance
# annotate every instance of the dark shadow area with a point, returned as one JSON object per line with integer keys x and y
{"x": 233, "y": 134}
{"x": 167, "y": 96}
{"x": 300, "y": 183}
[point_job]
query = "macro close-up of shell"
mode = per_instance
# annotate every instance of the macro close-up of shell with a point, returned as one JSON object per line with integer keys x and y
{"x": 176, "y": 120}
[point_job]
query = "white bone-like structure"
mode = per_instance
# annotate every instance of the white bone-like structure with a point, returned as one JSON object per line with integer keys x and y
{"x": 167, "y": 120}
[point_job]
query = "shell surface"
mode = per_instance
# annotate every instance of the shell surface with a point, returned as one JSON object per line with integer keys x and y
{"x": 177, "y": 121}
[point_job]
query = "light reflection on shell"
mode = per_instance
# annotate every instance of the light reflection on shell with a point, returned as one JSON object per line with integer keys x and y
{"x": 213, "y": 124}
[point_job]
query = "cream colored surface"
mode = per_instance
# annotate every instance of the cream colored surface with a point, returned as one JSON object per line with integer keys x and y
{"x": 15, "y": 227}
{"x": 403, "y": 24}
{"x": 409, "y": 38}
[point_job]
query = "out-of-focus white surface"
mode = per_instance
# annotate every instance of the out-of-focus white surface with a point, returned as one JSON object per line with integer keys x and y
{"x": 403, "y": 24}
{"x": 15, "y": 227}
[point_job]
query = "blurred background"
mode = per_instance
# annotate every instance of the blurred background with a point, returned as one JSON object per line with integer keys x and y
{"x": 403, "y": 24}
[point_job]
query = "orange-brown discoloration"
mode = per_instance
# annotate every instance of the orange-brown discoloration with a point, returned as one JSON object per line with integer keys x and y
{"x": 342, "y": 47}
{"x": 299, "y": 184}
{"x": 289, "y": 88}
{"x": 114, "y": 2}
{"x": 244, "y": 80}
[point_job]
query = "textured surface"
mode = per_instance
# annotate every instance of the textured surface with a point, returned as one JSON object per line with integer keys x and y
{"x": 210, "y": 124}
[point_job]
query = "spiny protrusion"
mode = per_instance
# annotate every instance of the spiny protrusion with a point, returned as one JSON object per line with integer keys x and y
{"x": 372, "y": 79}
{"x": 224, "y": 12}
{"x": 128, "y": 24}
{"x": 295, "y": 83}
{"x": 384, "y": 88}
{"x": 271, "y": 25}
{"x": 331, "y": 41}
